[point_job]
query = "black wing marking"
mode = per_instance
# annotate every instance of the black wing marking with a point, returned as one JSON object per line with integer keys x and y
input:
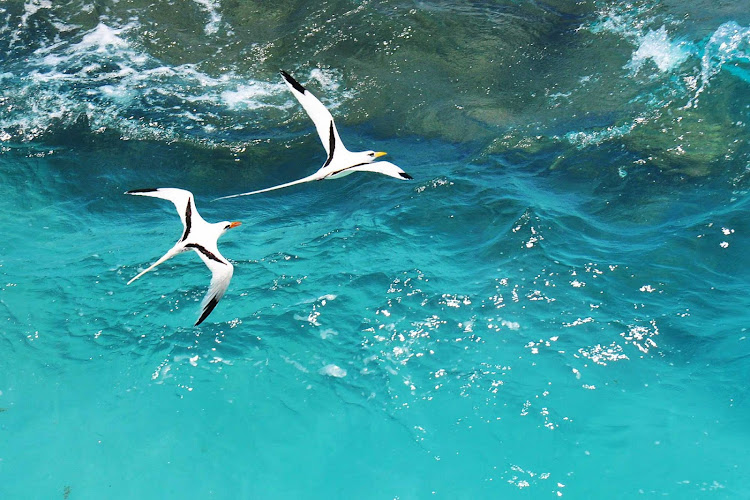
{"x": 345, "y": 168}
{"x": 188, "y": 220}
{"x": 331, "y": 147}
{"x": 294, "y": 83}
{"x": 146, "y": 190}
{"x": 209, "y": 307}
{"x": 205, "y": 252}
{"x": 402, "y": 174}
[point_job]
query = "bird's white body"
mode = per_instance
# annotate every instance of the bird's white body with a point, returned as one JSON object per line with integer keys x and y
{"x": 200, "y": 236}
{"x": 340, "y": 161}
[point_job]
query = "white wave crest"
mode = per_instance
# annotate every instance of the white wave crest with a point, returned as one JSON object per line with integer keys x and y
{"x": 658, "y": 48}
{"x": 107, "y": 77}
{"x": 729, "y": 43}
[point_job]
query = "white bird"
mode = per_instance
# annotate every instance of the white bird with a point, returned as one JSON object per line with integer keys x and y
{"x": 340, "y": 160}
{"x": 200, "y": 236}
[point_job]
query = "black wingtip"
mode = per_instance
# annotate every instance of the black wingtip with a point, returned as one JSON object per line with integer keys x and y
{"x": 209, "y": 307}
{"x": 405, "y": 175}
{"x": 136, "y": 191}
{"x": 294, "y": 83}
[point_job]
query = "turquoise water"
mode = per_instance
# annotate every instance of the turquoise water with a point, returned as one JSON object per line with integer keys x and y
{"x": 556, "y": 305}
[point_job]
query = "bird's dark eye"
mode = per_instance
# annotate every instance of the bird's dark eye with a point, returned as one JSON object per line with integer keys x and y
{"x": 372, "y": 154}
{"x": 227, "y": 227}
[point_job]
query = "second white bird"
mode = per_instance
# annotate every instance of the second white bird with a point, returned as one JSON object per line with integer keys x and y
{"x": 200, "y": 236}
{"x": 340, "y": 161}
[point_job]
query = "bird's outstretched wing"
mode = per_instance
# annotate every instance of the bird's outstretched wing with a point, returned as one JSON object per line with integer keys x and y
{"x": 183, "y": 200}
{"x": 319, "y": 114}
{"x": 381, "y": 167}
{"x": 221, "y": 274}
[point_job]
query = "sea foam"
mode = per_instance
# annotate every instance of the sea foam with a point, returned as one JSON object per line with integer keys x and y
{"x": 730, "y": 42}
{"x": 135, "y": 93}
{"x": 657, "y": 47}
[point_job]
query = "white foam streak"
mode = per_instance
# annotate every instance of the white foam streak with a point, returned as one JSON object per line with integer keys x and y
{"x": 101, "y": 39}
{"x": 334, "y": 371}
{"x": 730, "y": 42}
{"x": 212, "y": 8}
{"x": 652, "y": 45}
{"x": 663, "y": 52}
{"x": 116, "y": 85}
{"x": 32, "y": 7}
{"x": 245, "y": 95}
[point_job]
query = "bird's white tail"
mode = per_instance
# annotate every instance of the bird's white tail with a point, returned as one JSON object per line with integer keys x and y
{"x": 166, "y": 256}
{"x": 309, "y": 178}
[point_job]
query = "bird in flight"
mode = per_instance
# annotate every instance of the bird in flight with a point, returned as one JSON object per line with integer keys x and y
{"x": 200, "y": 236}
{"x": 340, "y": 161}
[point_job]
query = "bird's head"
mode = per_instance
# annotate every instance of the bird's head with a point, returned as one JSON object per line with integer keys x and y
{"x": 226, "y": 225}
{"x": 371, "y": 156}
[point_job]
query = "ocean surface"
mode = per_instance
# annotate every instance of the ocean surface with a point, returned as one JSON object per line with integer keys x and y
{"x": 556, "y": 306}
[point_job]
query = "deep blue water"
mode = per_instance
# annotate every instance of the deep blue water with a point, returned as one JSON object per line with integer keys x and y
{"x": 556, "y": 305}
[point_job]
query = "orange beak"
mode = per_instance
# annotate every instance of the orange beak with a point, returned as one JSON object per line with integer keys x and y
{"x": 234, "y": 224}
{"x": 379, "y": 154}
